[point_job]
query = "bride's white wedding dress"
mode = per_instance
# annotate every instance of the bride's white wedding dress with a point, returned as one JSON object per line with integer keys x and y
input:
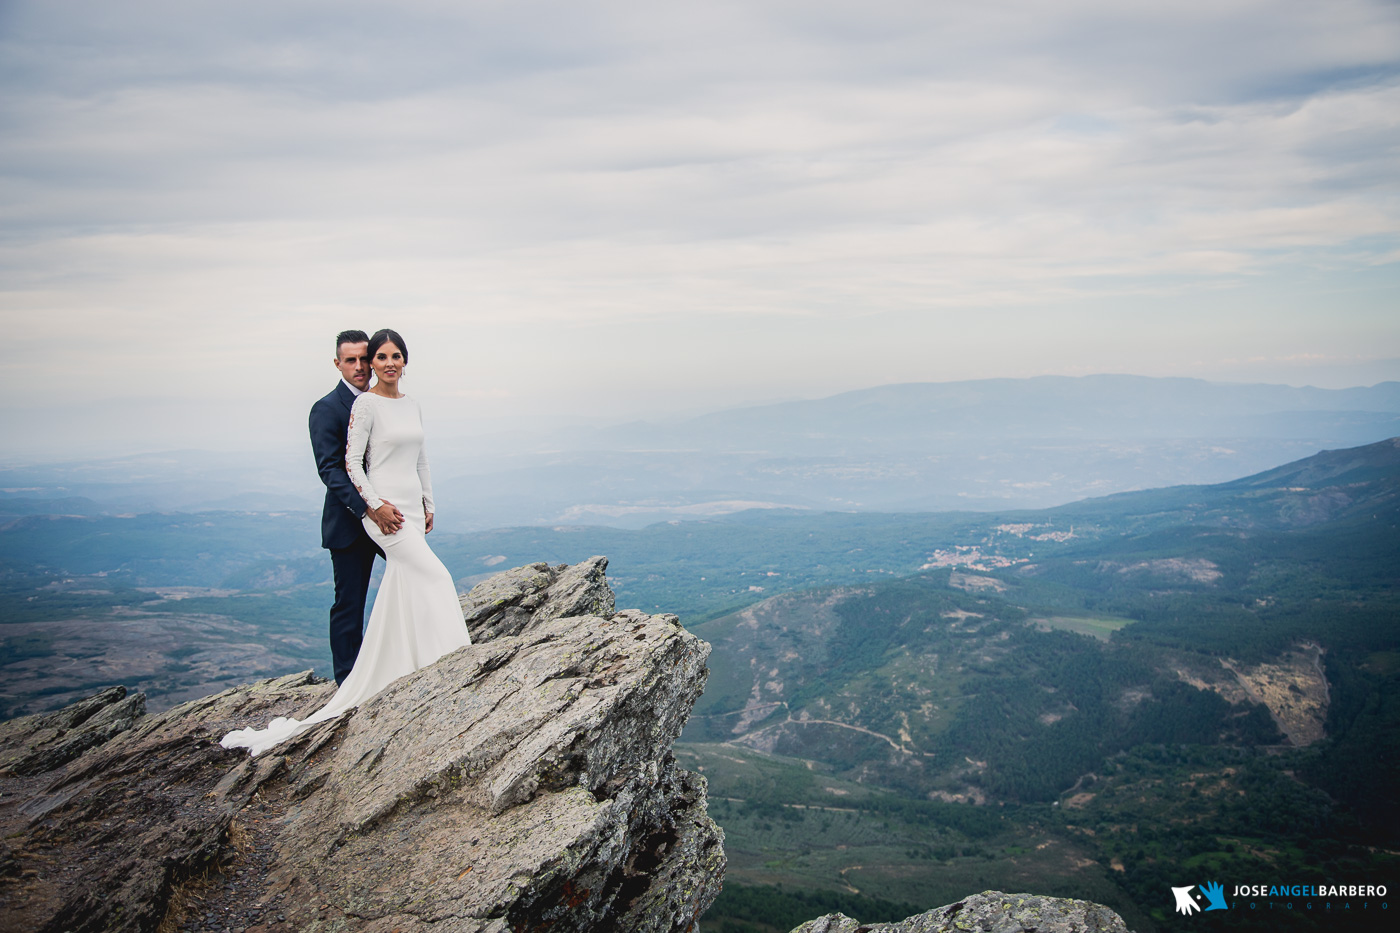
{"x": 416, "y": 617}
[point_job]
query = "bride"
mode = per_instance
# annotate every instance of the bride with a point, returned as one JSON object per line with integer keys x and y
{"x": 416, "y": 617}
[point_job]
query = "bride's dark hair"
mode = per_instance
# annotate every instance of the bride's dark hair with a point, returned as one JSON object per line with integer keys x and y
{"x": 384, "y": 336}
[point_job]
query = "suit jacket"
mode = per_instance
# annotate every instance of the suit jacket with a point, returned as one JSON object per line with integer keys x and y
{"x": 341, "y": 514}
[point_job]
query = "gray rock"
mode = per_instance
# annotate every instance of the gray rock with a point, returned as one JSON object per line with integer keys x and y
{"x": 520, "y": 783}
{"x": 39, "y": 743}
{"x": 989, "y": 912}
{"x": 134, "y": 817}
{"x": 534, "y": 594}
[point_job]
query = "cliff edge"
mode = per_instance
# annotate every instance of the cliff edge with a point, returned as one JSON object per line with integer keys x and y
{"x": 522, "y": 783}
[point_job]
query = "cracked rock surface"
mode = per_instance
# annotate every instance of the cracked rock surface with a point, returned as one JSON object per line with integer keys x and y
{"x": 524, "y": 782}
{"x": 989, "y": 912}
{"x": 535, "y": 594}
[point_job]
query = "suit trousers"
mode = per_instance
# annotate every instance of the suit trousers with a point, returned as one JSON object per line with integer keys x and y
{"x": 352, "y": 566}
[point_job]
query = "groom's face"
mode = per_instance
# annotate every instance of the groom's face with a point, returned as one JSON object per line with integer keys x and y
{"x": 352, "y": 359}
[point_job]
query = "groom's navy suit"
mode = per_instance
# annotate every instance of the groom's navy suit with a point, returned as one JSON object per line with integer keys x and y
{"x": 352, "y": 551}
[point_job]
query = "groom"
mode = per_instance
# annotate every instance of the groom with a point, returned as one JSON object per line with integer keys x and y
{"x": 352, "y": 551}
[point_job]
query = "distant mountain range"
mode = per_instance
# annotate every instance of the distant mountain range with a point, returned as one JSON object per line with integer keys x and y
{"x": 986, "y": 444}
{"x": 923, "y": 416}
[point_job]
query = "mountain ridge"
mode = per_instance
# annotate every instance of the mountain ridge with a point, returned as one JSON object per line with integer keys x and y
{"x": 1135, "y": 399}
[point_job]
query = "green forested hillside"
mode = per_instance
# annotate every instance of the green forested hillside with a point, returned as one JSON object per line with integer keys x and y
{"x": 1100, "y": 693}
{"x": 903, "y": 682}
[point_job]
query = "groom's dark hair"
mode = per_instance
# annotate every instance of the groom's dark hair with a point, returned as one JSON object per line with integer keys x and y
{"x": 349, "y": 336}
{"x": 384, "y": 336}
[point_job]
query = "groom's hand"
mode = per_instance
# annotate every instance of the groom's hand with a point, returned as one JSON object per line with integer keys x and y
{"x": 387, "y": 517}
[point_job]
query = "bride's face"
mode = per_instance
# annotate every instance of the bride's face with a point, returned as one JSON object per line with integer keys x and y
{"x": 388, "y": 364}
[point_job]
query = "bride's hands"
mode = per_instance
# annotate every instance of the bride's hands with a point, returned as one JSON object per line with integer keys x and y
{"x": 387, "y": 517}
{"x": 429, "y": 525}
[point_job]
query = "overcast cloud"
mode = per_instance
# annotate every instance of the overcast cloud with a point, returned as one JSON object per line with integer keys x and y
{"x": 622, "y": 208}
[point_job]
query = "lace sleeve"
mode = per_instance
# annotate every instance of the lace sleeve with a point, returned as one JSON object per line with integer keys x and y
{"x": 425, "y": 478}
{"x": 357, "y": 449}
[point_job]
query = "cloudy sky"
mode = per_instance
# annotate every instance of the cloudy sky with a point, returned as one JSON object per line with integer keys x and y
{"x": 610, "y": 209}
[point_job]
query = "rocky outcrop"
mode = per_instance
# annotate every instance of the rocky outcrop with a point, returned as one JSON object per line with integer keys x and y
{"x": 988, "y": 912}
{"x": 35, "y": 744}
{"x": 522, "y": 783}
{"x": 534, "y": 594}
